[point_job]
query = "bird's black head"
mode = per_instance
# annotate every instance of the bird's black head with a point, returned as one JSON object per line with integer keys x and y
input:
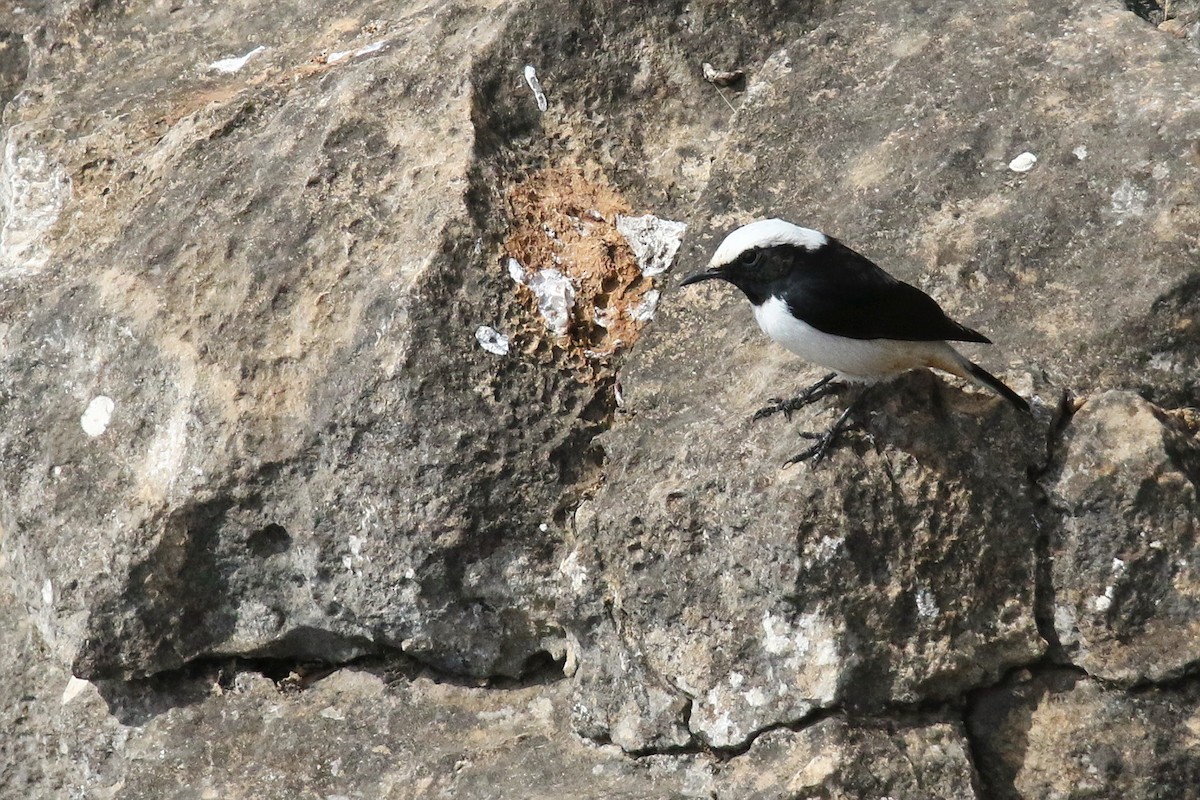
{"x": 760, "y": 256}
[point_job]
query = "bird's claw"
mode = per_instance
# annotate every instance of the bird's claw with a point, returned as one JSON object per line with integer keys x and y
{"x": 818, "y": 451}
{"x": 775, "y": 405}
{"x": 826, "y": 440}
{"x": 786, "y": 407}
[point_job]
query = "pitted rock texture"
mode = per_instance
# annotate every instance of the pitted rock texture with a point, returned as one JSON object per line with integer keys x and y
{"x": 290, "y": 468}
{"x": 388, "y": 732}
{"x": 300, "y": 533}
{"x": 695, "y": 514}
{"x": 270, "y": 256}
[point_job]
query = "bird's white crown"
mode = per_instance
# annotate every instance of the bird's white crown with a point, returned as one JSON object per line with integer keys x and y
{"x": 765, "y": 233}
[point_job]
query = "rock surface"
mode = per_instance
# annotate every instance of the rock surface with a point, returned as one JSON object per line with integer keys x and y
{"x": 294, "y": 531}
{"x": 305, "y": 449}
{"x": 833, "y": 759}
{"x": 233, "y": 733}
{"x": 374, "y": 732}
{"x": 1060, "y": 734}
{"x": 717, "y": 581}
{"x": 1126, "y": 578}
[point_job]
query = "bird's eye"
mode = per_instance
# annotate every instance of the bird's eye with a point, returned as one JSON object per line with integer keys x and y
{"x": 749, "y": 258}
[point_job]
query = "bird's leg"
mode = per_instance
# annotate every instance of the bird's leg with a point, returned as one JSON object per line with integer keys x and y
{"x": 937, "y": 399}
{"x": 827, "y": 439}
{"x": 809, "y": 395}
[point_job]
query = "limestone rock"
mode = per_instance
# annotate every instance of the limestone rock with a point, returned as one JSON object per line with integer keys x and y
{"x": 259, "y": 258}
{"x": 1062, "y": 735}
{"x": 1126, "y": 567}
{"x": 225, "y": 731}
{"x": 376, "y": 731}
{"x": 248, "y": 425}
{"x": 839, "y": 761}
{"x": 246, "y": 412}
{"x": 903, "y": 573}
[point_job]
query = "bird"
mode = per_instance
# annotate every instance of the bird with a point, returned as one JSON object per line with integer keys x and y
{"x": 837, "y": 309}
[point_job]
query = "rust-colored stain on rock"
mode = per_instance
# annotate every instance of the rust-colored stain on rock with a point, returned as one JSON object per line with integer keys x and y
{"x": 566, "y": 219}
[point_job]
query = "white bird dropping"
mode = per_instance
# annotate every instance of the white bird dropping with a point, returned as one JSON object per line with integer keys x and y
{"x": 516, "y": 271}
{"x": 96, "y": 417}
{"x": 644, "y": 311}
{"x": 1023, "y": 162}
{"x": 536, "y": 87}
{"x": 231, "y": 65}
{"x": 654, "y": 241}
{"x": 492, "y": 340}
{"x": 556, "y": 298}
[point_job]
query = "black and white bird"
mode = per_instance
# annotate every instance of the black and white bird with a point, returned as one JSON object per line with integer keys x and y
{"x": 837, "y": 309}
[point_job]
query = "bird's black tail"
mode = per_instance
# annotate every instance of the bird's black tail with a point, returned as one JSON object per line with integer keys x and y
{"x": 985, "y": 378}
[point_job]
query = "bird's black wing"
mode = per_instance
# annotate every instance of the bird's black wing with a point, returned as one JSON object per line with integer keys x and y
{"x": 840, "y": 292}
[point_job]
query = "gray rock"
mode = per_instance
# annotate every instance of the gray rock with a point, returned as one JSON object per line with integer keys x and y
{"x": 1181, "y": 18}
{"x": 266, "y": 268}
{"x": 221, "y": 731}
{"x": 903, "y": 573}
{"x": 273, "y": 276}
{"x": 1126, "y": 568}
{"x": 14, "y": 63}
{"x": 835, "y": 760}
{"x": 1061, "y": 735}
{"x": 246, "y": 415}
{"x": 383, "y": 732}
{"x": 761, "y": 595}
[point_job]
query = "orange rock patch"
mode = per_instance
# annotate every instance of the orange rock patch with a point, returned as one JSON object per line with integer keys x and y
{"x": 565, "y": 219}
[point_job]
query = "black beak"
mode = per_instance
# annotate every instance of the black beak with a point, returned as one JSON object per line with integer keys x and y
{"x": 701, "y": 276}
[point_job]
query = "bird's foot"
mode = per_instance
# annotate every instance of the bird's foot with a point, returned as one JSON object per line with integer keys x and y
{"x": 818, "y": 451}
{"x": 806, "y": 397}
{"x": 825, "y": 441}
{"x": 777, "y": 405}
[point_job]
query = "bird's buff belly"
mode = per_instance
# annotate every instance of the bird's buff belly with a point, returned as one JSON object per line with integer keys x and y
{"x": 856, "y": 359}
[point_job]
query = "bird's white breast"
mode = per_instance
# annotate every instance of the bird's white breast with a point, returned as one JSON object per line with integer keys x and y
{"x": 861, "y": 359}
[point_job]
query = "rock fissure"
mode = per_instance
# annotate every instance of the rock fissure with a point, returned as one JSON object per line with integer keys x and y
{"x": 815, "y": 718}
{"x": 1045, "y": 519}
{"x": 1149, "y": 10}
{"x": 220, "y": 673}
